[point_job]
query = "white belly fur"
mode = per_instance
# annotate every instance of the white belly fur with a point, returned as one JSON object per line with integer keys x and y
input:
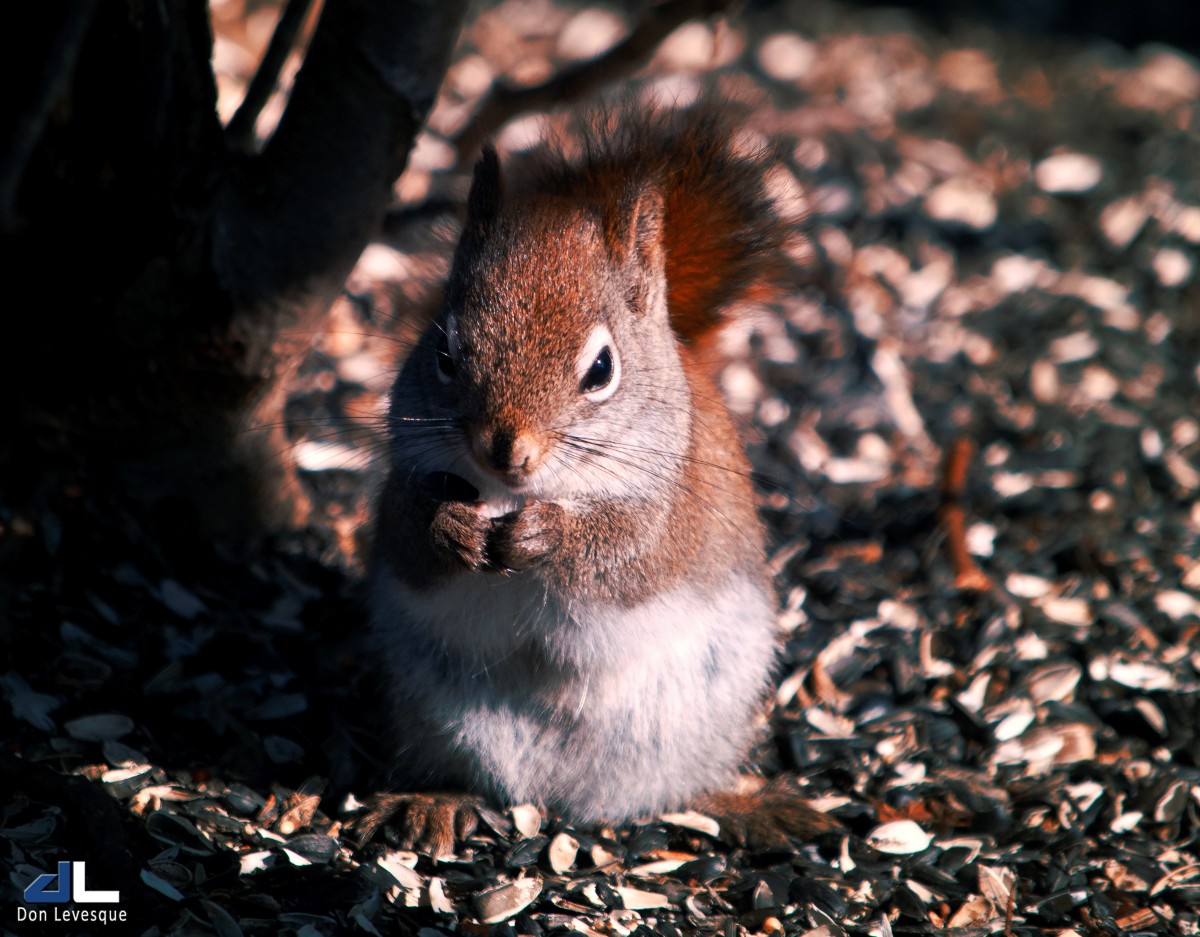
{"x": 600, "y": 712}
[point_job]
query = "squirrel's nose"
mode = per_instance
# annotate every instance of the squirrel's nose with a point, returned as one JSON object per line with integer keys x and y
{"x": 506, "y": 450}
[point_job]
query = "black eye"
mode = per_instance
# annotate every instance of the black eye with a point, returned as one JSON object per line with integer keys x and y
{"x": 599, "y": 373}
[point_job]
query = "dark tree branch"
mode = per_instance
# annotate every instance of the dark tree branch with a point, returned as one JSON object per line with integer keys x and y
{"x": 287, "y": 225}
{"x": 239, "y": 134}
{"x": 290, "y": 222}
{"x": 52, "y": 81}
{"x": 574, "y": 83}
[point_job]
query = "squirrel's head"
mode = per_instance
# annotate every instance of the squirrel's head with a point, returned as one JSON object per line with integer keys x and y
{"x": 552, "y": 360}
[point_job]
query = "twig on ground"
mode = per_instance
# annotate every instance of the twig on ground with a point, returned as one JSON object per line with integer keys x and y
{"x": 572, "y": 84}
{"x": 967, "y": 574}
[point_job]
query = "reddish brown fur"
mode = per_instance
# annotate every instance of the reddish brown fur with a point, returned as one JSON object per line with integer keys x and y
{"x": 722, "y": 237}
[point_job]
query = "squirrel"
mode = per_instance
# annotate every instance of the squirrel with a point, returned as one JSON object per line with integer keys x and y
{"x": 569, "y": 593}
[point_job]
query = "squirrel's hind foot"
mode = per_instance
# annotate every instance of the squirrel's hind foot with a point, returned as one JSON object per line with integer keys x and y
{"x": 433, "y": 824}
{"x": 774, "y": 816}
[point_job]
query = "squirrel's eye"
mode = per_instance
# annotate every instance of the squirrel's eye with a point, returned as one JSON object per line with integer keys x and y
{"x": 599, "y": 373}
{"x": 598, "y": 367}
{"x": 446, "y": 350}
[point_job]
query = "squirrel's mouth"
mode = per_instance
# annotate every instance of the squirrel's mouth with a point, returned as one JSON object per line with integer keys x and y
{"x": 497, "y": 496}
{"x": 493, "y": 502}
{"x": 500, "y": 484}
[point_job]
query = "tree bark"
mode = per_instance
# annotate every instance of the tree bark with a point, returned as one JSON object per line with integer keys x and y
{"x": 177, "y": 280}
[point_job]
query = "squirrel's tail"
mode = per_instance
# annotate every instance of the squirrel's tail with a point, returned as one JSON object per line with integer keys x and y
{"x": 722, "y": 232}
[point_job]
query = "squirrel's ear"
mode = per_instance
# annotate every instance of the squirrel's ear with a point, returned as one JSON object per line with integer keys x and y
{"x": 633, "y": 227}
{"x": 487, "y": 192}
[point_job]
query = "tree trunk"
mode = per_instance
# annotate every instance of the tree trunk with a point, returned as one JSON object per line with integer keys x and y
{"x": 173, "y": 279}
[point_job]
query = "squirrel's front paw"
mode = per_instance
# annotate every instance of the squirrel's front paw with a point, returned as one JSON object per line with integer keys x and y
{"x": 527, "y": 538}
{"x": 459, "y": 532}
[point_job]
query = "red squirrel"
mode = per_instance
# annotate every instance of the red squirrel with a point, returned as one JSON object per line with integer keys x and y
{"x": 570, "y": 599}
